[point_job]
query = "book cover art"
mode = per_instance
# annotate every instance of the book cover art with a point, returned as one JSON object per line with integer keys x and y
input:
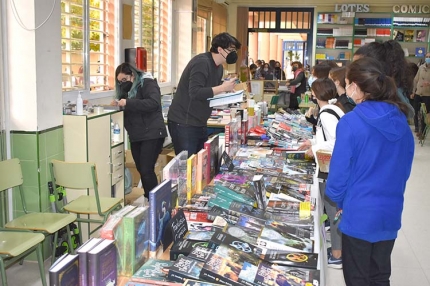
{"x": 195, "y": 226}
{"x": 65, "y": 272}
{"x": 182, "y": 179}
{"x": 191, "y": 176}
{"x": 102, "y": 261}
{"x": 152, "y": 270}
{"x": 409, "y": 35}
{"x": 298, "y": 275}
{"x": 136, "y": 240}
{"x": 260, "y": 191}
{"x": 250, "y": 222}
{"x": 272, "y": 238}
{"x": 266, "y": 276}
{"x": 200, "y": 253}
{"x": 420, "y": 52}
{"x": 217, "y": 211}
{"x": 202, "y": 161}
{"x": 220, "y": 269}
{"x": 237, "y": 209}
{"x": 171, "y": 171}
{"x": 247, "y": 274}
{"x": 235, "y": 255}
{"x": 184, "y": 247}
{"x": 290, "y": 258}
{"x": 185, "y": 268}
{"x": 421, "y": 36}
{"x": 398, "y": 35}
{"x": 83, "y": 259}
{"x": 196, "y": 216}
{"x": 220, "y": 237}
{"x": 228, "y": 190}
{"x": 160, "y": 200}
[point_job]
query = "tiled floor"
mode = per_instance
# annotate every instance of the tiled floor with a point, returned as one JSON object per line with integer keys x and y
{"x": 410, "y": 258}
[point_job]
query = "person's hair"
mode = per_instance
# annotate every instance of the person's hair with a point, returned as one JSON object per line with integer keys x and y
{"x": 225, "y": 41}
{"x": 128, "y": 69}
{"x": 368, "y": 74}
{"x": 392, "y": 58}
{"x": 321, "y": 70}
{"x": 324, "y": 89}
{"x": 258, "y": 62}
{"x": 338, "y": 73}
{"x": 253, "y": 66}
{"x": 332, "y": 64}
{"x": 277, "y": 62}
{"x": 272, "y": 64}
{"x": 299, "y": 64}
{"x": 266, "y": 64}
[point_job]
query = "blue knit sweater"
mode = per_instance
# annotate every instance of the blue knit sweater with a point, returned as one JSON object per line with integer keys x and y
{"x": 371, "y": 163}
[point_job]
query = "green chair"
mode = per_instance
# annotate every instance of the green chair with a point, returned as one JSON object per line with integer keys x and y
{"x": 45, "y": 223}
{"x": 15, "y": 245}
{"x": 78, "y": 176}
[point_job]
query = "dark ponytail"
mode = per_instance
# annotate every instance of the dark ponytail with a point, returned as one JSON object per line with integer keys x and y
{"x": 367, "y": 73}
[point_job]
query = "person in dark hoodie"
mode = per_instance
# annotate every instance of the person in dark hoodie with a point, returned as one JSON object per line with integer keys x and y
{"x": 139, "y": 94}
{"x": 371, "y": 162}
{"x": 200, "y": 80}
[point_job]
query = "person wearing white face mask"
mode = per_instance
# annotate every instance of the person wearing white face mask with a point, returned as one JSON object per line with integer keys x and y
{"x": 421, "y": 89}
{"x": 337, "y": 75}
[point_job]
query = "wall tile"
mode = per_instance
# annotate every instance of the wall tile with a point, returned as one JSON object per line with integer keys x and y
{"x": 42, "y": 146}
{"x": 52, "y": 143}
{"x": 44, "y": 176}
{"x": 24, "y": 146}
{"x": 30, "y": 173}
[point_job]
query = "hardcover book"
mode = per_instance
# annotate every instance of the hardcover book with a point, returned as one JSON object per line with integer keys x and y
{"x": 191, "y": 176}
{"x": 185, "y": 268}
{"x": 421, "y": 36}
{"x": 160, "y": 200}
{"x": 154, "y": 271}
{"x": 102, "y": 264}
{"x": 200, "y": 253}
{"x": 136, "y": 240}
{"x": 202, "y": 161}
{"x": 171, "y": 171}
{"x": 182, "y": 179}
{"x": 409, "y": 35}
{"x": 65, "y": 272}
{"x": 83, "y": 259}
{"x": 420, "y": 52}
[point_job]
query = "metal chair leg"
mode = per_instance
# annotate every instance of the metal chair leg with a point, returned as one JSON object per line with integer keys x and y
{"x": 3, "y": 272}
{"x": 41, "y": 265}
{"x": 54, "y": 247}
{"x": 69, "y": 240}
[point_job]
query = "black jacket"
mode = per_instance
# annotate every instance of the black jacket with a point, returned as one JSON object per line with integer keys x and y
{"x": 143, "y": 118}
{"x": 190, "y": 104}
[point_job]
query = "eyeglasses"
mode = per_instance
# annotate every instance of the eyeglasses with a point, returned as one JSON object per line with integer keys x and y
{"x": 230, "y": 50}
{"x": 124, "y": 79}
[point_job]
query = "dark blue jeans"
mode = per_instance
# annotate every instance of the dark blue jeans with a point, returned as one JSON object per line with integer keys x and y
{"x": 187, "y": 137}
{"x": 145, "y": 154}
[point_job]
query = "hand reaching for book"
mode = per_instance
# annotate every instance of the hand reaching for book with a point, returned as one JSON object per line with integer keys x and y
{"x": 305, "y": 145}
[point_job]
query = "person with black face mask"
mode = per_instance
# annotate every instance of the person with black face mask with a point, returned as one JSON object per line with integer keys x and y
{"x": 139, "y": 94}
{"x": 297, "y": 85}
{"x": 279, "y": 73}
{"x": 200, "y": 80}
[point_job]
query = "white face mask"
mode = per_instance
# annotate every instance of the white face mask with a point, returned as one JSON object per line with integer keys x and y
{"x": 266, "y": 69}
{"x": 352, "y": 95}
{"x": 311, "y": 79}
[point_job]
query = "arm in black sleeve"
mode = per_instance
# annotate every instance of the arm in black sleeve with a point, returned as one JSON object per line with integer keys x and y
{"x": 298, "y": 79}
{"x": 199, "y": 77}
{"x": 148, "y": 98}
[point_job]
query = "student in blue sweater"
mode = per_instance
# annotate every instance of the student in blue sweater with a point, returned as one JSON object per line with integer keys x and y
{"x": 371, "y": 163}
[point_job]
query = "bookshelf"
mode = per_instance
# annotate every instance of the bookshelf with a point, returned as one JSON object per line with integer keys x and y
{"x": 339, "y": 35}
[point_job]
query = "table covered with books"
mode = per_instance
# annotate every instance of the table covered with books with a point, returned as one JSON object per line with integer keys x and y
{"x": 239, "y": 215}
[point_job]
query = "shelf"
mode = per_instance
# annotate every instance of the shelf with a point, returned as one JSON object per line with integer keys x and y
{"x": 339, "y": 49}
{"x": 334, "y": 36}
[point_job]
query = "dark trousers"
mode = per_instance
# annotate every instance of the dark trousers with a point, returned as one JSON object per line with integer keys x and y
{"x": 416, "y": 104}
{"x": 365, "y": 263}
{"x": 187, "y": 137}
{"x": 145, "y": 154}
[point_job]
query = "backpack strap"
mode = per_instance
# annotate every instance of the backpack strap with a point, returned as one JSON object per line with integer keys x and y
{"x": 332, "y": 112}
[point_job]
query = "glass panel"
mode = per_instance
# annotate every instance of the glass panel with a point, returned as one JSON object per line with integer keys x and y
{"x": 72, "y": 44}
{"x": 267, "y": 20}
{"x": 261, "y": 20}
{"x": 272, "y": 20}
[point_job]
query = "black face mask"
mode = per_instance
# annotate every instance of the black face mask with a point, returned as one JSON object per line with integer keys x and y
{"x": 314, "y": 100}
{"x": 231, "y": 58}
{"x": 277, "y": 68}
{"x": 125, "y": 88}
{"x": 294, "y": 68}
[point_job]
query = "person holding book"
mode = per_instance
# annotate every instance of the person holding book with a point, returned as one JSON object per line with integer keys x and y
{"x": 330, "y": 112}
{"x": 139, "y": 94}
{"x": 369, "y": 168}
{"x": 200, "y": 80}
{"x": 421, "y": 88}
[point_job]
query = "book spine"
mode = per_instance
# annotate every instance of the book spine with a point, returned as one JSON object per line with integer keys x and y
{"x": 93, "y": 274}
{"x": 189, "y": 178}
{"x": 128, "y": 247}
{"x": 207, "y": 275}
{"x": 227, "y": 131}
{"x": 54, "y": 279}
{"x": 83, "y": 269}
{"x": 153, "y": 221}
{"x": 207, "y": 147}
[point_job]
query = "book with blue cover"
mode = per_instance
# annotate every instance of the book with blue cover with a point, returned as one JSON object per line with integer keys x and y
{"x": 160, "y": 212}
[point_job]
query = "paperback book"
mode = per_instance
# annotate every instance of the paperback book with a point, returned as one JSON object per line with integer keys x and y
{"x": 191, "y": 176}
{"x": 185, "y": 268}
{"x": 290, "y": 258}
{"x": 220, "y": 269}
{"x": 202, "y": 161}
{"x": 154, "y": 271}
{"x": 185, "y": 247}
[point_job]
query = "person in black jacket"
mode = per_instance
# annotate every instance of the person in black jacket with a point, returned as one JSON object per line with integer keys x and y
{"x": 298, "y": 84}
{"x": 139, "y": 94}
{"x": 200, "y": 80}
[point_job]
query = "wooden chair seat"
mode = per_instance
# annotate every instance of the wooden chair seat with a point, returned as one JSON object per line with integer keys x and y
{"x": 88, "y": 205}
{"x": 14, "y": 243}
{"x": 46, "y": 222}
